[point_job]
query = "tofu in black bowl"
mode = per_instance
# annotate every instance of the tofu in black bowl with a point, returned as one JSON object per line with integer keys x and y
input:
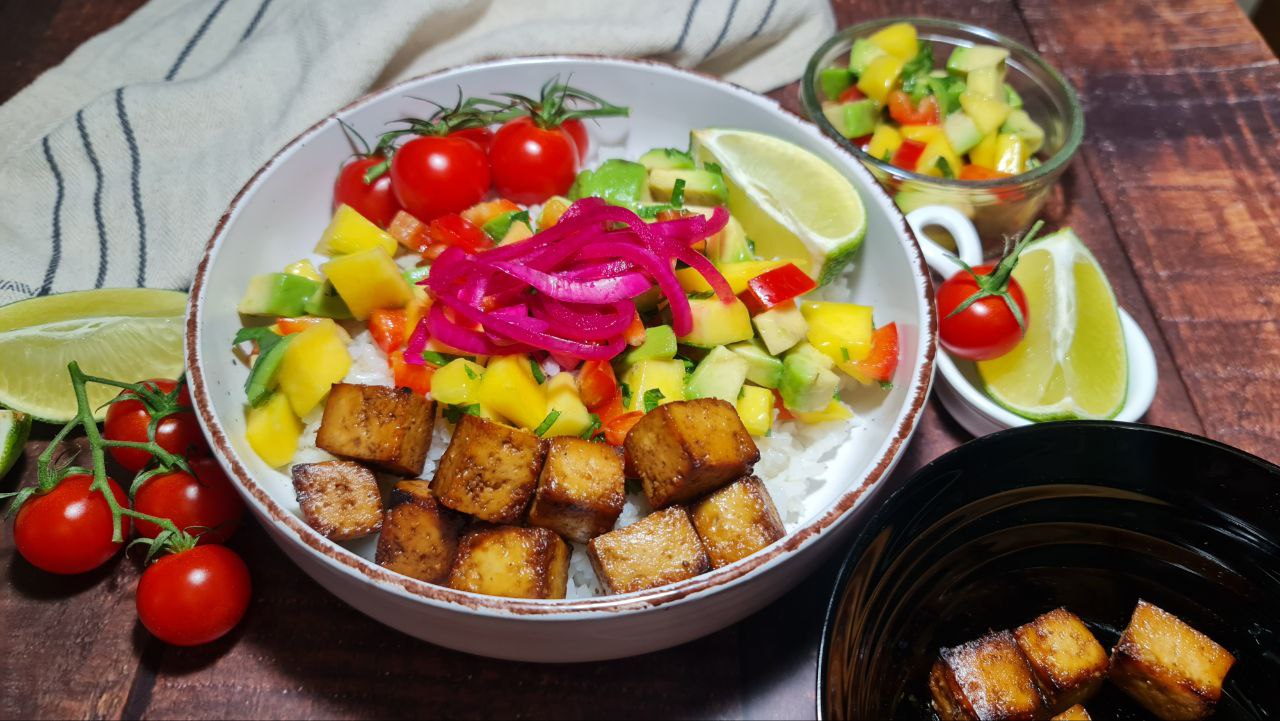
{"x": 971, "y": 576}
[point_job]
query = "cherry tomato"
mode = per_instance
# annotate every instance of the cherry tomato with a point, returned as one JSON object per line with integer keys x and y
{"x": 68, "y": 529}
{"x": 851, "y": 94}
{"x": 195, "y": 596}
{"x": 127, "y": 420}
{"x": 531, "y": 164}
{"x": 435, "y": 175}
{"x": 578, "y": 131}
{"x": 987, "y": 328}
{"x": 597, "y": 383}
{"x": 906, "y": 112}
{"x": 195, "y": 503}
{"x": 616, "y": 430}
{"x": 375, "y": 201}
{"x": 482, "y": 137}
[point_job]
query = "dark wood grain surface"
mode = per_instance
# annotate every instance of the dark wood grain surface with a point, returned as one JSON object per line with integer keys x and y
{"x": 1175, "y": 190}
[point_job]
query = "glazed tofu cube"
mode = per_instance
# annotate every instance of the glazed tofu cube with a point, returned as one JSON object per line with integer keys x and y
{"x": 658, "y": 549}
{"x": 419, "y": 536}
{"x": 985, "y": 679}
{"x": 386, "y": 427}
{"x": 340, "y": 499}
{"x": 1170, "y": 668}
{"x": 736, "y": 521}
{"x": 684, "y": 449}
{"x": 1075, "y": 713}
{"x": 581, "y": 489}
{"x": 1069, "y": 663}
{"x": 489, "y": 470}
{"x": 511, "y": 561}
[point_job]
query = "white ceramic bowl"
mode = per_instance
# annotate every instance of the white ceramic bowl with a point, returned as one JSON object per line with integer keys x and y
{"x": 276, "y": 219}
{"x": 960, "y": 387}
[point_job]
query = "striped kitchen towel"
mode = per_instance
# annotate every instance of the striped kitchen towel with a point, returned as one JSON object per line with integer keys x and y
{"x": 117, "y": 163}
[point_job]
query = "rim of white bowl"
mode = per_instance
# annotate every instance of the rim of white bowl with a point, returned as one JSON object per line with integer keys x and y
{"x": 349, "y": 563}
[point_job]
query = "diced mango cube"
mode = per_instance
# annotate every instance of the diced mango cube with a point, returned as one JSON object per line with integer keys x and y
{"x": 508, "y": 389}
{"x": 304, "y": 268}
{"x": 755, "y": 408}
{"x": 368, "y": 280}
{"x": 920, "y": 133}
{"x": 551, "y": 211}
{"x": 1011, "y": 153}
{"x": 457, "y": 382}
{"x": 881, "y": 77}
{"x": 737, "y": 275}
{"x": 983, "y": 154}
{"x": 665, "y": 376}
{"x": 987, "y": 113}
{"x": 939, "y": 148}
{"x": 842, "y": 331}
{"x": 315, "y": 360}
{"x": 350, "y": 232}
{"x": 885, "y": 141}
{"x": 835, "y": 411}
{"x": 273, "y": 430}
{"x": 563, "y": 397}
{"x": 898, "y": 39}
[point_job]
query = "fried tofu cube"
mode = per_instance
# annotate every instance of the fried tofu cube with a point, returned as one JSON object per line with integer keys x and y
{"x": 985, "y": 679}
{"x": 419, "y": 535}
{"x": 581, "y": 489}
{"x": 340, "y": 499}
{"x": 658, "y": 549}
{"x": 1069, "y": 663}
{"x": 489, "y": 470}
{"x": 736, "y": 521}
{"x": 386, "y": 427}
{"x": 511, "y": 561}
{"x": 684, "y": 449}
{"x": 1075, "y": 713}
{"x": 1170, "y": 668}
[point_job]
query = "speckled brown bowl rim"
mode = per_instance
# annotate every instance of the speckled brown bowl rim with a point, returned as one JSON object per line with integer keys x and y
{"x": 347, "y": 561}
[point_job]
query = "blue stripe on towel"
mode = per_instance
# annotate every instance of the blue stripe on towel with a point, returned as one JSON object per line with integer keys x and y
{"x": 97, "y": 199}
{"x": 191, "y": 43}
{"x": 257, "y": 18}
{"x": 135, "y": 169}
{"x": 733, "y": 8}
{"x": 768, "y": 11}
{"x": 55, "y": 256}
{"x": 688, "y": 22}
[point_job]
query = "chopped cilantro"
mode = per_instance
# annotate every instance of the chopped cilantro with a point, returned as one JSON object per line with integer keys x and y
{"x": 626, "y": 394}
{"x": 442, "y": 359}
{"x": 470, "y": 373}
{"x": 945, "y": 167}
{"x": 844, "y": 353}
{"x": 454, "y": 413}
{"x": 546, "y": 423}
{"x": 714, "y": 167}
{"x": 886, "y": 385}
{"x": 538, "y": 375}
{"x": 652, "y": 398}
{"x": 592, "y": 427}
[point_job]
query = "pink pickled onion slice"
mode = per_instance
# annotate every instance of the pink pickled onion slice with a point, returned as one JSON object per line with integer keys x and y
{"x": 416, "y": 344}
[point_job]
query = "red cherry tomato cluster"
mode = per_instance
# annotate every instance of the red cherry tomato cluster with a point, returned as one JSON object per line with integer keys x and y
{"x": 67, "y": 525}
{"x": 982, "y": 311}
{"x": 456, "y": 157}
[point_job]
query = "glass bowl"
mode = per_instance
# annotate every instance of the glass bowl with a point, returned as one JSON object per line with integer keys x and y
{"x": 998, "y": 208}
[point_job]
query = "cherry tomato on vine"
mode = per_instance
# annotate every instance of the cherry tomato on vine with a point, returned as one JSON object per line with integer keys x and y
{"x": 480, "y": 136}
{"x": 127, "y": 420}
{"x": 203, "y": 504}
{"x": 194, "y": 596}
{"x": 578, "y": 131}
{"x": 987, "y": 328}
{"x": 532, "y": 163}
{"x": 375, "y": 201}
{"x": 433, "y": 175}
{"x": 68, "y": 529}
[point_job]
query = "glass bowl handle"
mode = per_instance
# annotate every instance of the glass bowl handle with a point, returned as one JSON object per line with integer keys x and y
{"x": 942, "y": 261}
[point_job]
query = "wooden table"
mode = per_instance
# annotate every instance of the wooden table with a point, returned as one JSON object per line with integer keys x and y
{"x": 1175, "y": 190}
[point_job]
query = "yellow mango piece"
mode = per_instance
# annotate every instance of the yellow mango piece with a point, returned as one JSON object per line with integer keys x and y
{"x": 315, "y": 359}
{"x": 755, "y": 408}
{"x": 841, "y": 331}
{"x": 350, "y": 232}
{"x": 273, "y": 431}
{"x": 368, "y": 280}
{"x": 562, "y": 396}
{"x": 881, "y": 77}
{"x": 984, "y": 153}
{"x": 1011, "y": 153}
{"x": 835, "y": 411}
{"x": 305, "y": 269}
{"x": 986, "y": 113}
{"x": 939, "y": 149}
{"x": 921, "y": 133}
{"x": 737, "y": 274}
{"x": 899, "y": 40}
{"x": 551, "y": 211}
{"x": 885, "y": 141}
{"x": 664, "y": 375}
{"x": 457, "y": 382}
{"x": 509, "y": 390}
{"x": 516, "y": 233}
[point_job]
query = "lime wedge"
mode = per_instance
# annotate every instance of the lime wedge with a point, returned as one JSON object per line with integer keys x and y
{"x": 792, "y": 203}
{"x": 126, "y": 334}
{"x": 14, "y": 429}
{"x": 1072, "y": 361}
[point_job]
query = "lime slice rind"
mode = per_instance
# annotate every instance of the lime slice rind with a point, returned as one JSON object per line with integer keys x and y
{"x": 15, "y": 428}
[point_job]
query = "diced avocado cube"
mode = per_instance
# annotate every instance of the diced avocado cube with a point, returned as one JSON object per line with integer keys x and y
{"x": 730, "y": 245}
{"x": 807, "y": 382}
{"x": 987, "y": 81}
{"x": 834, "y": 81}
{"x": 262, "y": 377}
{"x": 1020, "y": 123}
{"x": 498, "y": 226}
{"x": 762, "y": 368}
{"x": 717, "y": 323}
{"x": 1012, "y": 97}
{"x": 781, "y": 327}
{"x": 326, "y": 303}
{"x": 620, "y": 182}
{"x": 277, "y": 294}
{"x": 659, "y": 343}
{"x": 855, "y": 119}
{"x": 666, "y": 158}
{"x": 966, "y": 60}
{"x": 701, "y": 186}
{"x": 719, "y": 375}
{"x": 961, "y": 132}
{"x": 861, "y": 55}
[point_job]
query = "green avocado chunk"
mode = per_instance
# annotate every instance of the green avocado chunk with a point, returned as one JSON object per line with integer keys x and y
{"x": 807, "y": 382}
{"x": 326, "y": 303}
{"x": 659, "y": 344}
{"x": 762, "y": 369}
{"x": 719, "y": 375}
{"x": 666, "y": 158}
{"x": 277, "y": 294}
{"x": 620, "y": 182}
{"x": 701, "y": 186}
{"x": 730, "y": 245}
{"x": 834, "y": 81}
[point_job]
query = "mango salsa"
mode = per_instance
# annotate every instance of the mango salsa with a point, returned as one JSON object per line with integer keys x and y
{"x": 898, "y": 39}
{"x": 368, "y": 280}
{"x": 842, "y": 331}
{"x": 835, "y": 411}
{"x": 315, "y": 360}
{"x": 273, "y": 431}
{"x": 457, "y": 382}
{"x": 562, "y": 396}
{"x": 666, "y": 376}
{"x": 755, "y": 408}
{"x": 350, "y": 232}
{"x": 881, "y": 77}
{"x": 737, "y": 275}
{"x": 509, "y": 390}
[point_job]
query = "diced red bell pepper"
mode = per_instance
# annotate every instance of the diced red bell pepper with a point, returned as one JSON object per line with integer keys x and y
{"x": 409, "y": 231}
{"x": 783, "y": 413}
{"x": 850, "y": 94}
{"x": 615, "y": 431}
{"x": 597, "y": 385}
{"x": 881, "y": 363}
{"x": 862, "y": 142}
{"x": 289, "y": 326}
{"x": 969, "y": 171}
{"x": 456, "y": 231}
{"x": 908, "y": 154}
{"x": 775, "y": 287}
{"x": 634, "y": 334}
{"x": 406, "y": 375}
{"x": 387, "y": 326}
{"x": 906, "y": 112}
{"x": 482, "y": 213}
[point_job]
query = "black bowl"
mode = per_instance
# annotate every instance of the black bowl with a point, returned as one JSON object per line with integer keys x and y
{"x": 1088, "y": 515}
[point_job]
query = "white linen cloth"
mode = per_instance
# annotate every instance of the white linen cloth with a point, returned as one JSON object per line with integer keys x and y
{"x": 116, "y": 164}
